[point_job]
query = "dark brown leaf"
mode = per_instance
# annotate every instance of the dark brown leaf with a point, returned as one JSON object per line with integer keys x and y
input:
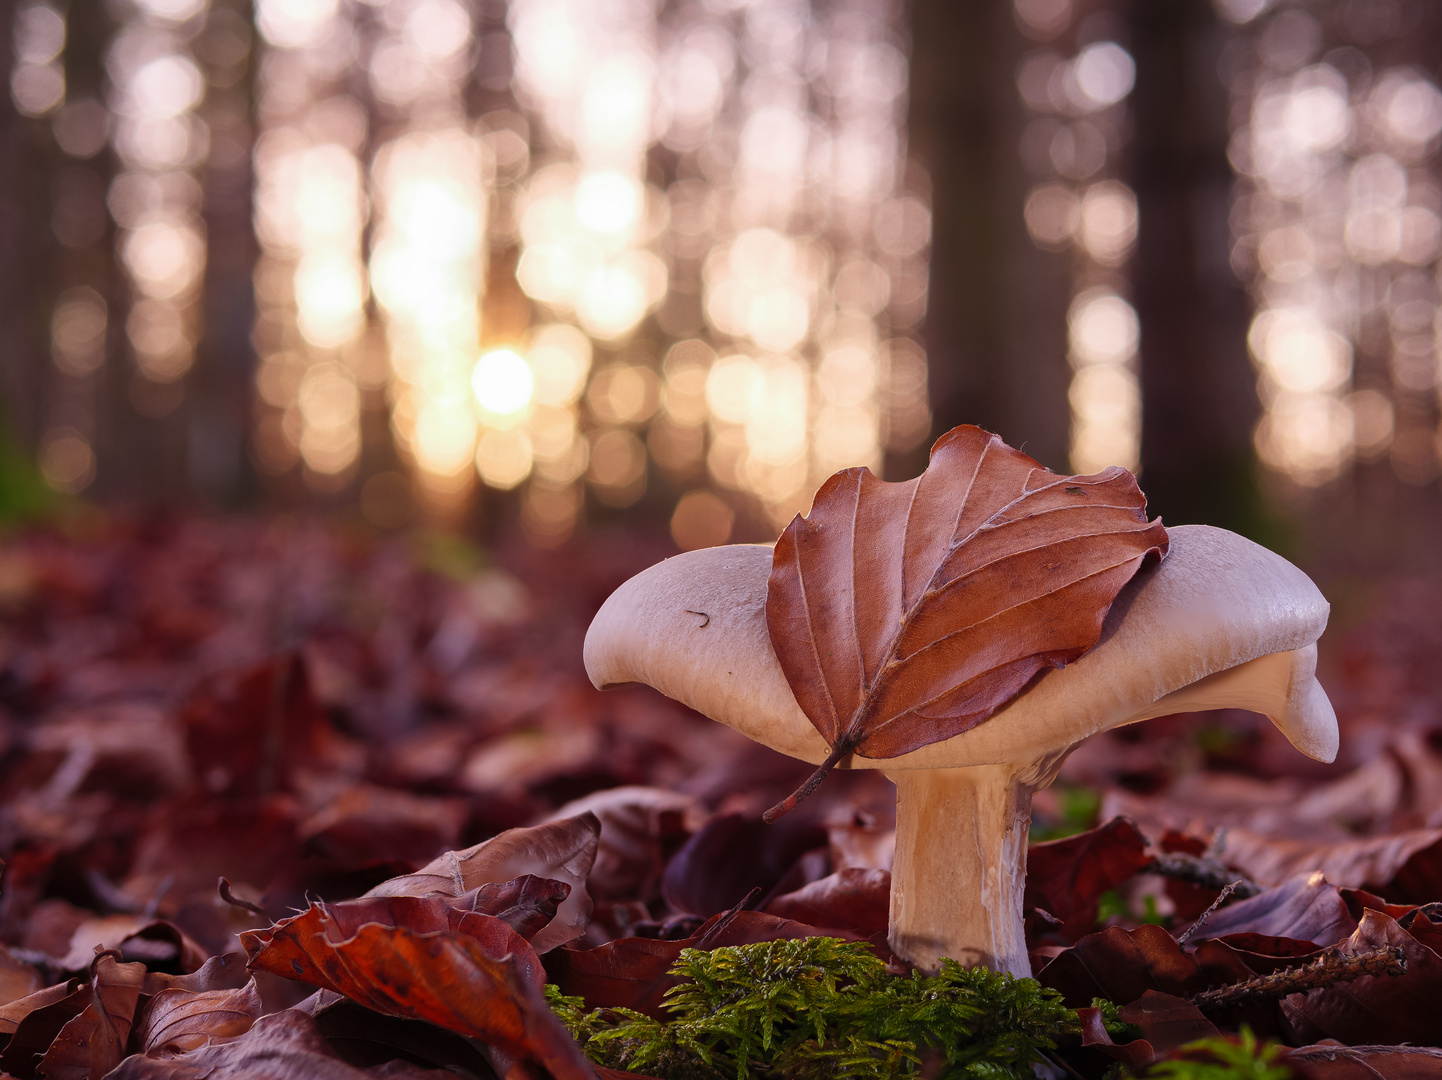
{"x": 1375, "y": 1009}
{"x": 1370, "y": 862}
{"x": 1122, "y": 965}
{"x": 1365, "y": 1062}
{"x": 425, "y": 958}
{"x": 1067, "y": 877}
{"x": 1167, "y": 1022}
{"x": 633, "y": 972}
{"x": 906, "y": 613}
{"x": 283, "y": 1046}
{"x": 1135, "y": 1054}
{"x": 14, "y": 1012}
{"x": 850, "y": 899}
{"x": 732, "y": 855}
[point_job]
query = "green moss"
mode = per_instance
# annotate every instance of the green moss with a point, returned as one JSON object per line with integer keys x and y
{"x": 824, "y": 1009}
{"x": 1243, "y": 1058}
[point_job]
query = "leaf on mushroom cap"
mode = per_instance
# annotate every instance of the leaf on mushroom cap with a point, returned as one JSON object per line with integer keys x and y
{"x": 905, "y": 613}
{"x": 1176, "y": 639}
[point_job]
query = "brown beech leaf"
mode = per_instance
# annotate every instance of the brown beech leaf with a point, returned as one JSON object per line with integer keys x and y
{"x": 425, "y": 958}
{"x": 850, "y": 899}
{"x": 1374, "y": 1008}
{"x": 92, "y": 1043}
{"x": 175, "y": 1020}
{"x": 905, "y": 613}
{"x": 1067, "y": 877}
{"x": 1307, "y": 908}
{"x": 559, "y": 850}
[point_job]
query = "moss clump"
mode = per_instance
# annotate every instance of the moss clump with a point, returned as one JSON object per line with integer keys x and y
{"x": 1221, "y": 1058}
{"x": 822, "y": 1009}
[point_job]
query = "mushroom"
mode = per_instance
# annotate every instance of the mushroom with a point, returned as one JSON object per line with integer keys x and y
{"x": 1220, "y": 623}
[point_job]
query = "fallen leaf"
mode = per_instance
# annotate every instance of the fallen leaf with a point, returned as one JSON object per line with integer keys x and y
{"x": 558, "y": 850}
{"x": 1167, "y": 1022}
{"x": 425, "y": 958}
{"x": 850, "y": 899}
{"x": 641, "y": 827}
{"x": 732, "y": 855}
{"x": 906, "y": 613}
{"x": 1121, "y": 965}
{"x": 92, "y": 1043}
{"x": 1366, "y": 863}
{"x": 283, "y": 1046}
{"x": 1375, "y": 1009}
{"x": 1364, "y": 1062}
{"x": 17, "y": 978}
{"x": 248, "y": 731}
{"x": 1067, "y": 877}
{"x": 15, "y": 1011}
{"x": 364, "y": 1037}
{"x": 1307, "y": 908}
{"x": 633, "y": 973}
{"x": 176, "y": 1020}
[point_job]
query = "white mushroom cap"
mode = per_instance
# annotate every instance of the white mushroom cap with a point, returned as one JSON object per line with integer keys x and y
{"x": 1220, "y": 623}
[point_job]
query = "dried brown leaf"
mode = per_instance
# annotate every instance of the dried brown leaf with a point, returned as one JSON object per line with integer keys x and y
{"x": 425, "y": 958}
{"x": 175, "y": 1020}
{"x": 92, "y": 1043}
{"x": 559, "y": 850}
{"x": 905, "y": 613}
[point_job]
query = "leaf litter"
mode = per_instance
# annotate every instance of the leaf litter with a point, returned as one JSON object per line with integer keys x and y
{"x": 424, "y": 814}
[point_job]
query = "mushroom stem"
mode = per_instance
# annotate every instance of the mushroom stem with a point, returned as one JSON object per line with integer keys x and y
{"x": 960, "y": 867}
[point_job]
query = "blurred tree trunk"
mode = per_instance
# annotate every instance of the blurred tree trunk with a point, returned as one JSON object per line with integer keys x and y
{"x": 995, "y": 327}
{"x": 1199, "y": 401}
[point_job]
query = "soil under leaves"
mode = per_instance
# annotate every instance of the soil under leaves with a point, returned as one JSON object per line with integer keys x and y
{"x": 423, "y": 813}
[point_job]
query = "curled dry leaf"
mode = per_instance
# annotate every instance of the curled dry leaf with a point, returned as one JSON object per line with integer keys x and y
{"x": 425, "y": 958}
{"x": 1307, "y": 908}
{"x": 92, "y": 1043}
{"x": 176, "y": 1020}
{"x": 1392, "y": 1009}
{"x": 905, "y": 613}
{"x": 558, "y": 850}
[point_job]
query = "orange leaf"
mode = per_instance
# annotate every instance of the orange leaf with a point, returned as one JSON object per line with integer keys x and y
{"x": 425, "y": 958}
{"x": 906, "y": 613}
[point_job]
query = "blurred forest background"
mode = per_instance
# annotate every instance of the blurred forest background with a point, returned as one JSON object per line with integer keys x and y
{"x": 527, "y": 268}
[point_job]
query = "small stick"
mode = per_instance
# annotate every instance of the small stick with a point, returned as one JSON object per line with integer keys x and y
{"x": 1327, "y": 970}
{"x": 1199, "y": 870}
{"x": 839, "y": 751}
{"x": 223, "y": 887}
{"x": 1221, "y": 899}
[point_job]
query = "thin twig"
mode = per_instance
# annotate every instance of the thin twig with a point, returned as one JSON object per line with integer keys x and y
{"x": 223, "y": 887}
{"x": 1330, "y": 968}
{"x": 1218, "y": 902}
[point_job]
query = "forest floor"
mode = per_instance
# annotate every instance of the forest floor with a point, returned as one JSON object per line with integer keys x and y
{"x": 312, "y": 713}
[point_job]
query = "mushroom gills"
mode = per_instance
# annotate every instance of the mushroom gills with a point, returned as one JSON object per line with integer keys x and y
{"x": 1281, "y": 686}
